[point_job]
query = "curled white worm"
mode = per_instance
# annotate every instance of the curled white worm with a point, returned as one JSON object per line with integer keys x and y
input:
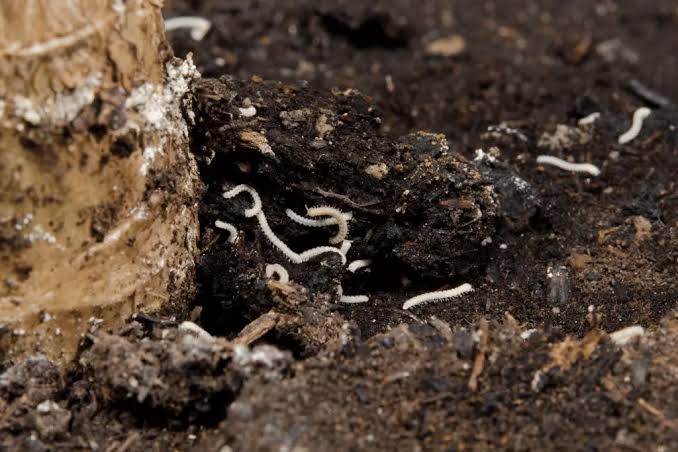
{"x": 232, "y": 231}
{"x": 636, "y": 124}
{"x": 279, "y": 270}
{"x": 338, "y": 215}
{"x": 625, "y": 335}
{"x": 567, "y": 166}
{"x": 357, "y": 265}
{"x": 198, "y": 25}
{"x": 312, "y": 223}
{"x": 438, "y": 295}
{"x": 287, "y": 251}
{"x": 589, "y": 119}
{"x": 256, "y": 207}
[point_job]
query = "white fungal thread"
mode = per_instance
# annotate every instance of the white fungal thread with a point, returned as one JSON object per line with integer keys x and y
{"x": 287, "y": 251}
{"x": 278, "y": 270}
{"x": 256, "y": 207}
{"x": 338, "y": 215}
{"x": 199, "y": 26}
{"x": 437, "y": 296}
{"x": 312, "y": 223}
{"x": 351, "y": 299}
{"x": 636, "y": 124}
{"x": 567, "y": 166}
{"x": 625, "y": 335}
{"x": 232, "y": 231}
{"x": 589, "y": 119}
{"x": 357, "y": 265}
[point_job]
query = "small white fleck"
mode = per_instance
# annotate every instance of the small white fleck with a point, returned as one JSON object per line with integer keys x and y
{"x": 525, "y": 335}
{"x": 248, "y": 112}
{"x": 589, "y": 119}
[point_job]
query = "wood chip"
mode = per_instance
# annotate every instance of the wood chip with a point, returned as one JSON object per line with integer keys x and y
{"x": 255, "y": 140}
{"x": 643, "y": 227}
{"x": 257, "y": 328}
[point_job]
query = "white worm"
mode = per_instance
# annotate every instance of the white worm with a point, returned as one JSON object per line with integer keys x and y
{"x": 268, "y": 232}
{"x": 257, "y": 211}
{"x": 625, "y": 335}
{"x": 351, "y": 299}
{"x": 279, "y": 270}
{"x": 313, "y": 252}
{"x": 357, "y": 265}
{"x": 193, "y": 328}
{"x": 636, "y": 124}
{"x": 232, "y": 231}
{"x": 589, "y": 119}
{"x": 438, "y": 295}
{"x": 256, "y": 207}
{"x": 338, "y": 215}
{"x": 567, "y": 166}
{"x": 287, "y": 251}
{"x": 198, "y": 25}
{"x": 345, "y": 246}
{"x": 311, "y": 223}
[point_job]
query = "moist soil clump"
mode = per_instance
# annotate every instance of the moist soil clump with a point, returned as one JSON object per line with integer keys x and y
{"x": 422, "y": 125}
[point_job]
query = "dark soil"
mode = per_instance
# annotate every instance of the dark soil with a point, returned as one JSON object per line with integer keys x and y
{"x": 353, "y": 110}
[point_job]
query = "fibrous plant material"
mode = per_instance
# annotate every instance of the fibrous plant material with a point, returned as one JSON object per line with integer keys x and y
{"x": 199, "y": 26}
{"x": 636, "y": 124}
{"x": 437, "y": 296}
{"x": 232, "y": 231}
{"x": 338, "y": 216}
{"x": 279, "y": 270}
{"x": 567, "y": 166}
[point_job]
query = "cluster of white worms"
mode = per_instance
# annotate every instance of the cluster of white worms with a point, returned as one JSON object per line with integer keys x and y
{"x": 334, "y": 217}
